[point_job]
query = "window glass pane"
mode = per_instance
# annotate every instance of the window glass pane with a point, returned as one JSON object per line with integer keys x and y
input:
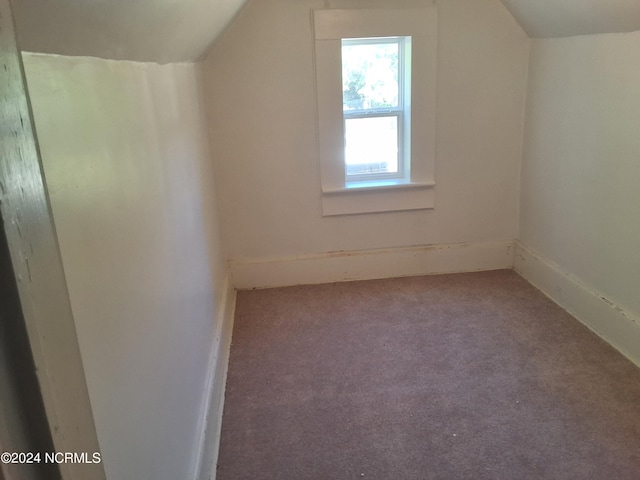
{"x": 371, "y": 145}
{"x": 369, "y": 75}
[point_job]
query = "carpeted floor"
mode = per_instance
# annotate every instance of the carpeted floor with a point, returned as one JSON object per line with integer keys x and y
{"x": 466, "y": 376}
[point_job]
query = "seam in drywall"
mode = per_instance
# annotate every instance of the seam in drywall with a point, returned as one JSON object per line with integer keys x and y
{"x": 89, "y": 59}
{"x": 523, "y": 136}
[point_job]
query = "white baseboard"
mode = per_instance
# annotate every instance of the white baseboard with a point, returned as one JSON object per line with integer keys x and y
{"x": 616, "y": 326}
{"x": 371, "y": 264}
{"x": 211, "y": 416}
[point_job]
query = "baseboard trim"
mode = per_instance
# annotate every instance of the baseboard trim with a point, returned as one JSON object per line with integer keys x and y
{"x": 617, "y": 326}
{"x": 371, "y": 264}
{"x": 211, "y": 417}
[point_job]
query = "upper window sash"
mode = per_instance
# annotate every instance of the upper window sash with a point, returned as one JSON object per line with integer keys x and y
{"x": 401, "y": 84}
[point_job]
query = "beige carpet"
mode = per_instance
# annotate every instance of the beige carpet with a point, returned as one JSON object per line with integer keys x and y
{"x": 466, "y": 376}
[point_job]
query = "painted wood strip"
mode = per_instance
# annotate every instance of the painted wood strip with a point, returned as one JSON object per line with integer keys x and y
{"x": 37, "y": 265}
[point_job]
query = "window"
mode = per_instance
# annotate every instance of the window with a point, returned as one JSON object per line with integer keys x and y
{"x": 376, "y": 95}
{"x": 375, "y": 86}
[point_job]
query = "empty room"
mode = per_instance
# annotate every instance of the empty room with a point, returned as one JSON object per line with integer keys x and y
{"x": 322, "y": 239}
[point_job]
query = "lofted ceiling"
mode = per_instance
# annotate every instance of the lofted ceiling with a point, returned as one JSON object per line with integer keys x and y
{"x": 162, "y": 31}
{"x": 167, "y": 31}
{"x": 566, "y": 18}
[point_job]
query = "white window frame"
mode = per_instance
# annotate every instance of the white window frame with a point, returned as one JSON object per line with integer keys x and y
{"x": 402, "y": 112}
{"x": 414, "y": 190}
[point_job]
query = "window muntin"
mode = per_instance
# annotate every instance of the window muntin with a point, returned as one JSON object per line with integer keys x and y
{"x": 375, "y": 97}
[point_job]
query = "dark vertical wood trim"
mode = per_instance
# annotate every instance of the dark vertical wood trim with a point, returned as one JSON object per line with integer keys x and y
{"x": 37, "y": 265}
{"x": 23, "y": 421}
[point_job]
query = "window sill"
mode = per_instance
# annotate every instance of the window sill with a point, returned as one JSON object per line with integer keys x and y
{"x": 378, "y": 185}
{"x": 379, "y": 196}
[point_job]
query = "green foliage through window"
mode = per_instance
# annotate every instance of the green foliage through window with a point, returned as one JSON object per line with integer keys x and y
{"x": 370, "y": 75}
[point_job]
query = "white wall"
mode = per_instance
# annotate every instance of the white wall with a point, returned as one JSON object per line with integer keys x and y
{"x": 127, "y": 164}
{"x": 580, "y": 204}
{"x": 262, "y": 111}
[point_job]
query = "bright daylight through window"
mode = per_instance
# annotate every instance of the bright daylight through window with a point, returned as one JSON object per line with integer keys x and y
{"x": 376, "y": 104}
{"x": 375, "y": 96}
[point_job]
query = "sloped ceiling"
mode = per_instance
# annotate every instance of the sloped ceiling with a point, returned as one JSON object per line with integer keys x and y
{"x": 167, "y": 31}
{"x": 565, "y": 18}
{"x": 162, "y": 31}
